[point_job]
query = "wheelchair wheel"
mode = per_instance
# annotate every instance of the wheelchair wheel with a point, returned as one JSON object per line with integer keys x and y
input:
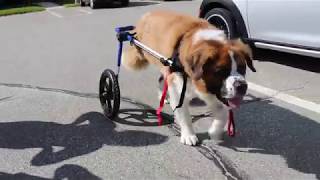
{"x": 109, "y": 93}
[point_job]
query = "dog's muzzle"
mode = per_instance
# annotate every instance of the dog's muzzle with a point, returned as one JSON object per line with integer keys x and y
{"x": 240, "y": 87}
{"x": 233, "y": 90}
{"x": 234, "y": 86}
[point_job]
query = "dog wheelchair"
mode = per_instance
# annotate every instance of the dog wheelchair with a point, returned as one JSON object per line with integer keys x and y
{"x": 109, "y": 90}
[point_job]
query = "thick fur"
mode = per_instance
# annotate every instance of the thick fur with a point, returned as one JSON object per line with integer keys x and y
{"x": 203, "y": 52}
{"x": 161, "y": 31}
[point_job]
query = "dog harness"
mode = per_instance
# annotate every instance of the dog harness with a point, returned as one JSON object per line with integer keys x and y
{"x": 175, "y": 67}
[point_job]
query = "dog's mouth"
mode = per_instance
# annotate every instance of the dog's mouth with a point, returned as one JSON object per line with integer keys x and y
{"x": 234, "y": 102}
{"x": 231, "y": 102}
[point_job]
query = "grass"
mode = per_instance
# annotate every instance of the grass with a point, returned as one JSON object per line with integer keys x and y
{"x": 6, "y": 11}
{"x": 71, "y": 5}
{"x": 68, "y": 3}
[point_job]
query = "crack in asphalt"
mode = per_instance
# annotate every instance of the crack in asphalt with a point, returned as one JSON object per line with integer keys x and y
{"x": 8, "y": 98}
{"x": 227, "y": 169}
{"x": 222, "y": 162}
{"x": 56, "y": 90}
{"x": 301, "y": 86}
{"x": 96, "y": 95}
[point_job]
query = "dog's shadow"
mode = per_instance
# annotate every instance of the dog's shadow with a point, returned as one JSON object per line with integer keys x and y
{"x": 270, "y": 129}
{"x": 147, "y": 116}
{"x": 86, "y": 134}
{"x": 142, "y": 117}
{"x": 67, "y": 171}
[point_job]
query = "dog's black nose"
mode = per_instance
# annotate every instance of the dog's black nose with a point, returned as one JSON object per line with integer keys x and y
{"x": 241, "y": 87}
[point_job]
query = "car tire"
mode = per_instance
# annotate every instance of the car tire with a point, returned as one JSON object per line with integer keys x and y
{"x": 124, "y": 3}
{"x": 222, "y": 19}
{"x": 93, "y": 4}
{"x": 81, "y": 3}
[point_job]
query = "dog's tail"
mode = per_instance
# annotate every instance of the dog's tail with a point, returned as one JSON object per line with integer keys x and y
{"x": 133, "y": 59}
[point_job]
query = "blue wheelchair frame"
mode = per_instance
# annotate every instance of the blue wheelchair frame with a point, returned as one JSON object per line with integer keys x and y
{"x": 123, "y": 35}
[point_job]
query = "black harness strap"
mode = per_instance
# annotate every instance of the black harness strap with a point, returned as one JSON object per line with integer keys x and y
{"x": 177, "y": 67}
{"x": 183, "y": 92}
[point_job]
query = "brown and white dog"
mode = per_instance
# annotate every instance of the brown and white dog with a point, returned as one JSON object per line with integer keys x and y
{"x": 215, "y": 66}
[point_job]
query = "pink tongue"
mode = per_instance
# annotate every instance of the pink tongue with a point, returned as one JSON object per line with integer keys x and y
{"x": 235, "y": 102}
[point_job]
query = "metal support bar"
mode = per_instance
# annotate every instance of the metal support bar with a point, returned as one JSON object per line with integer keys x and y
{"x": 124, "y": 35}
{"x": 166, "y": 61}
{"x": 119, "y": 56}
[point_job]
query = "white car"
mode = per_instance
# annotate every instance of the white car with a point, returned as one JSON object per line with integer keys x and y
{"x": 291, "y": 26}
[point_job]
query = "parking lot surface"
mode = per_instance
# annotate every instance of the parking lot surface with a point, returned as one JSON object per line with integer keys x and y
{"x": 51, "y": 122}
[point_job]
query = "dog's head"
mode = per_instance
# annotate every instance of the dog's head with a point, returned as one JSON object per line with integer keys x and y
{"x": 219, "y": 67}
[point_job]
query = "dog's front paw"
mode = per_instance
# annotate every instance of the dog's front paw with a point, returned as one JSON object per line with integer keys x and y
{"x": 189, "y": 139}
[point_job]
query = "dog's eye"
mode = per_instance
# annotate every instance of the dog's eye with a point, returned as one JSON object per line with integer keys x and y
{"x": 221, "y": 71}
{"x": 241, "y": 70}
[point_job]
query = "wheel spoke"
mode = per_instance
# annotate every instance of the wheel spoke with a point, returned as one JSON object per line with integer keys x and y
{"x": 110, "y": 89}
{"x": 105, "y": 95}
{"x": 106, "y": 109}
{"x": 109, "y": 106}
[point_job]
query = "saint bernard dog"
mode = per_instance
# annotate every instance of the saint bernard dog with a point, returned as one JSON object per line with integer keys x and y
{"x": 215, "y": 66}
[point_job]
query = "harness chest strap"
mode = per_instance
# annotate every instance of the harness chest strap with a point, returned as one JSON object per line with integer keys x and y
{"x": 176, "y": 67}
{"x": 163, "y": 97}
{"x": 164, "y": 94}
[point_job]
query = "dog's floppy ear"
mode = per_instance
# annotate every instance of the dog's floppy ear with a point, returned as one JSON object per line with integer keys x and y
{"x": 246, "y": 51}
{"x": 193, "y": 66}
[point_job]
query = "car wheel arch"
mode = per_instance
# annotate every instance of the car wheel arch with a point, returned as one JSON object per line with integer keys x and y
{"x": 207, "y": 5}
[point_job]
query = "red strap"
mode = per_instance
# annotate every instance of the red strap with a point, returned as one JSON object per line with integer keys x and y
{"x": 231, "y": 126}
{"x": 163, "y": 97}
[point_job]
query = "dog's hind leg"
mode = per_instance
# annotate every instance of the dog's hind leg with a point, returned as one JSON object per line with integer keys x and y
{"x": 133, "y": 58}
{"x": 182, "y": 114}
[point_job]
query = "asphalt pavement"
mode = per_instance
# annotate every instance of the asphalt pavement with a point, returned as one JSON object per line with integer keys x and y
{"x": 51, "y": 122}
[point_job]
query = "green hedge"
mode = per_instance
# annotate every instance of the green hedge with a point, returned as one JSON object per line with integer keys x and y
{"x": 4, "y": 3}
{"x": 20, "y": 10}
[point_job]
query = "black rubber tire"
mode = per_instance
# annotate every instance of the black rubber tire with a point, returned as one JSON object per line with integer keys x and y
{"x": 124, "y": 3}
{"x": 82, "y": 3}
{"x": 109, "y": 94}
{"x": 222, "y": 19}
{"x": 93, "y": 4}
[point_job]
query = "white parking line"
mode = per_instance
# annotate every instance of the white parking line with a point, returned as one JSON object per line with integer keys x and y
{"x": 85, "y": 11}
{"x": 54, "y": 14}
{"x": 285, "y": 97}
{"x": 56, "y": 7}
